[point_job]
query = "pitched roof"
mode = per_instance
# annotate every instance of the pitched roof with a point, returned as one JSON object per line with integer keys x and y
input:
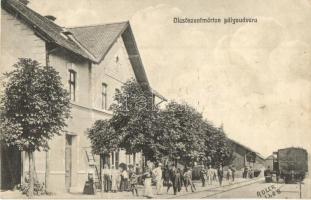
{"x": 45, "y": 27}
{"x": 91, "y": 42}
{"x": 247, "y": 148}
{"x": 98, "y": 39}
{"x": 269, "y": 157}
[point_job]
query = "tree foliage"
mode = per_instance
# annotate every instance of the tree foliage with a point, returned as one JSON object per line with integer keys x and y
{"x": 133, "y": 118}
{"x": 103, "y": 137}
{"x": 34, "y": 106}
{"x": 178, "y": 131}
{"x": 217, "y": 148}
{"x": 182, "y": 132}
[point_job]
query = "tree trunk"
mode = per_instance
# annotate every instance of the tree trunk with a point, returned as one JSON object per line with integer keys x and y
{"x": 31, "y": 174}
{"x": 134, "y": 160}
{"x": 47, "y": 170}
{"x": 101, "y": 158}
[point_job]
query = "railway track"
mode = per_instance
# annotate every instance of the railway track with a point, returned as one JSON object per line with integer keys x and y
{"x": 226, "y": 189}
{"x": 218, "y": 190}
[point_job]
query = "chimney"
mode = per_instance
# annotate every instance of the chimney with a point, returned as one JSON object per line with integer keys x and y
{"x": 50, "y": 17}
{"x": 25, "y": 2}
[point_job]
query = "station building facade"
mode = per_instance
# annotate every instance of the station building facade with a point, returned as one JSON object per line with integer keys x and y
{"x": 94, "y": 62}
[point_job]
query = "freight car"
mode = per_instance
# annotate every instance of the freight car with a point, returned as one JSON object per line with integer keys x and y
{"x": 290, "y": 164}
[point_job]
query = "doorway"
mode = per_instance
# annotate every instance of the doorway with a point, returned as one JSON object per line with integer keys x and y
{"x": 11, "y": 167}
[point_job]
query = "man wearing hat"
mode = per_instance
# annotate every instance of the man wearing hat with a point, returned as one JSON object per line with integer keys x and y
{"x": 158, "y": 178}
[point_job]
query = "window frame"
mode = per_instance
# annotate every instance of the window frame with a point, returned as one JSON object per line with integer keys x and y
{"x": 72, "y": 82}
{"x": 104, "y": 91}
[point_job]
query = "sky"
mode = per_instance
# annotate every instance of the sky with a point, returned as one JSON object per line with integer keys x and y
{"x": 254, "y": 78}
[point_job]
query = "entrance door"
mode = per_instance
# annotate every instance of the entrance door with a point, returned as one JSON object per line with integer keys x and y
{"x": 68, "y": 162}
{"x": 10, "y": 165}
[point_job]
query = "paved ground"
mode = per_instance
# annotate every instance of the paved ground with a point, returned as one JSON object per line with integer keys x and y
{"x": 266, "y": 190}
{"x": 258, "y": 189}
{"x": 127, "y": 195}
{"x": 241, "y": 188}
{"x": 216, "y": 190}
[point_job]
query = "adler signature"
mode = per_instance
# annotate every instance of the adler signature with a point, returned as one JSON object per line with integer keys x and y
{"x": 268, "y": 192}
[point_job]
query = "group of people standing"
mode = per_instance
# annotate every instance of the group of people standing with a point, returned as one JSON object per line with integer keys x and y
{"x": 119, "y": 179}
{"x": 211, "y": 174}
{"x": 127, "y": 180}
{"x": 248, "y": 172}
{"x": 170, "y": 176}
{"x": 176, "y": 178}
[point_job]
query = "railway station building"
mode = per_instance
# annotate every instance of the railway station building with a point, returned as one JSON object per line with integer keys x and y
{"x": 241, "y": 153}
{"x": 93, "y": 61}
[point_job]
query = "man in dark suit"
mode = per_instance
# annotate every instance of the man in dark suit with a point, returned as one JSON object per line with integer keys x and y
{"x": 268, "y": 175}
{"x": 220, "y": 172}
{"x": 175, "y": 179}
{"x": 203, "y": 176}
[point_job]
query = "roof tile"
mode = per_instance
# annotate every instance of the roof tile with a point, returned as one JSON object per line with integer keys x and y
{"x": 98, "y": 39}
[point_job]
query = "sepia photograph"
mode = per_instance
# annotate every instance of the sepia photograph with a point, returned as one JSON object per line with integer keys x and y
{"x": 155, "y": 99}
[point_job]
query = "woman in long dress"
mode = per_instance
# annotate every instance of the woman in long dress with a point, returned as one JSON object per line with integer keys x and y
{"x": 148, "y": 183}
{"x": 114, "y": 179}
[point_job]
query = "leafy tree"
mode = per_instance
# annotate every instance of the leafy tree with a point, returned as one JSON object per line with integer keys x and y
{"x": 34, "y": 108}
{"x": 218, "y": 148}
{"x": 133, "y": 119}
{"x": 182, "y": 132}
{"x": 178, "y": 131}
{"x": 103, "y": 137}
{"x": 131, "y": 126}
{"x": 188, "y": 137}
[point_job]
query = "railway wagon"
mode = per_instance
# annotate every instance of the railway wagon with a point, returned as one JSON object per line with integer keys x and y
{"x": 291, "y": 164}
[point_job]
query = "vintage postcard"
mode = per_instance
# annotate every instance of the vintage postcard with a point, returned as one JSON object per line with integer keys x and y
{"x": 136, "y": 99}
